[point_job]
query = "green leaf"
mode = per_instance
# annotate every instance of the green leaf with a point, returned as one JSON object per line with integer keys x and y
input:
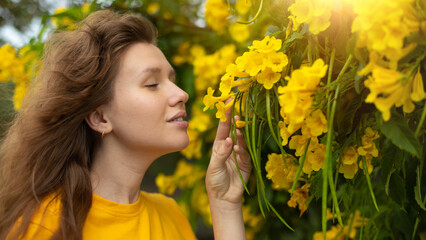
{"x": 397, "y": 130}
{"x": 316, "y": 189}
{"x": 294, "y": 36}
{"x": 418, "y": 191}
{"x": 397, "y": 189}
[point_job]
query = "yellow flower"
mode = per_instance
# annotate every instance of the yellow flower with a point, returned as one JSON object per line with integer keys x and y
{"x": 285, "y": 134}
{"x": 251, "y": 62}
{"x": 296, "y": 98}
{"x": 222, "y": 108}
{"x": 348, "y": 170}
{"x": 298, "y": 142}
{"x": 20, "y": 92}
{"x": 209, "y": 100}
{"x": 240, "y": 124}
{"x": 368, "y": 159}
{"x": 315, "y": 124}
{"x": 85, "y": 8}
{"x": 316, "y": 157}
{"x": 209, "y": 68}
{"x": 243, "y": 6}
{"x": 11, "y": 67}
{"x": 227, "y": 82}
{"x": 165, "y": 184}
{"x": 368, "y": 146}
{"x": 233, "y": 70}
{"x": 316, "y": 13}
{"x": 196, "y": 51}
{"x": 200, "y": 203}
{"x": 418, "y": 93}
{"x": 153, "y": 8}
{"x": 299, "y": 198}
{"x": 67, "y": 22}
{"x": 239, "y": 32}
{"x": 276, "y": 61}
{"x": 186, "y": 174}
{"x": 216, "y": 15}
{"x": 282, "y": 177}
{"x": 383, "y": 25}
{"x": 268, "y": 78}
{"x": 266, "y": 45}
{"x": 182, "y": 54}
{"x": 193, "y": 150}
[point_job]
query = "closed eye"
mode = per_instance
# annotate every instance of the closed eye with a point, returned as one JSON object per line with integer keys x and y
{"x": 152, "y": 85}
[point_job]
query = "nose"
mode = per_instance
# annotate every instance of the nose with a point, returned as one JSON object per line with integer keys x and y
{"x": 178, "y": 95}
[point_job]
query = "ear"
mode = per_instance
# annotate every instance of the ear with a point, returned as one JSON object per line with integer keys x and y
{"x": 98, "y": 122}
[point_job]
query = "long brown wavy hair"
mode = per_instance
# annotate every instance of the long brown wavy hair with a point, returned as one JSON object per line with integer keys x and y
{"x": 48, "y": 149}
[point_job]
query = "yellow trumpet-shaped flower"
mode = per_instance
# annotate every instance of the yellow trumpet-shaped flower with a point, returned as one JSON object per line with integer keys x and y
{"x": 349, "y": 162}
{"x": 315, "y": 124}
{"x": 368, "y": 146}
{"x": 216, "y": 15}
{"x": 282, "y": 177}
{"x": 266, "y": 45}
{"x": 243, "y": 6}
{"x": 276, "y": 61}
{"x": 240, "y": 124}
{"x": 387, "y": 89}
{"x": 239, "y": 32}
{"x": 418, "y": 93}
{"x": 296, "y": 98}
{"x": 316, "y": 157}
{"x": 165, "y": 184}
{"x": 316, "y": 13}
{"x": 299, "y": 198}
{"x": 222, "y": 108}
{"x": 251, "y": 62}
{"x": 268, "y": 78}
{"x": 209, "y": 100}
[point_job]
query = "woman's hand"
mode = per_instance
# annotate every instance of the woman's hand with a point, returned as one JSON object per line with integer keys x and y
{"x": 223, "y": 182}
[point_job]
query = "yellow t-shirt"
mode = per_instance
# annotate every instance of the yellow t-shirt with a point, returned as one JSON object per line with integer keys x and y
{"x": 153, "y": 216}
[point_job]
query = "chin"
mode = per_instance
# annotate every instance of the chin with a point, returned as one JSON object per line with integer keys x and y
{"x": 179, "y": 145}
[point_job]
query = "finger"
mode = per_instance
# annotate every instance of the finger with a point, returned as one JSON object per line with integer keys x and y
{"x": 224, "y": 127}
{"x": 221, "y": 152}
{"x": 243, "y": 159}
{"x": 240, "y": 139}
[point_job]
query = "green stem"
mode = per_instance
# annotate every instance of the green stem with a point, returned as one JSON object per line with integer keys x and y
{"x": 330, "y": 72}
{"x": 327, "y": 162}
{"x": 334, "y": 196}
{"x": 370, "y": 187}
{"x": 234, "y": 139}
{"x": 271, "y": 128}
{"x": 299, "y": 170}
{"x": 415, "y": 228}
{"x": 268, "y": 116}
{"x": 255, "y": 17}
{"x": 309, "y": 53}
{"x": 422, "y": 120}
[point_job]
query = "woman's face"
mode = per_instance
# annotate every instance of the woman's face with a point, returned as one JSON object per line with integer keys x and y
{"x": 147, "y": 111}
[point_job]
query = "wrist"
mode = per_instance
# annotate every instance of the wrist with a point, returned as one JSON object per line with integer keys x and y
{"x": 223, "y": 205}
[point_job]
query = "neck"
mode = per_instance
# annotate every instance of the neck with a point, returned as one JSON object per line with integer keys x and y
{"x": 117, "y": 173}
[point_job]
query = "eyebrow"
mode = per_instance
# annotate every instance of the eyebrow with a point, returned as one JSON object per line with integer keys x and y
{"x": 172, "y": 73}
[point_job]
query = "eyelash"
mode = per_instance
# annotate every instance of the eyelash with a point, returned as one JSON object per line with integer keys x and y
{"x": 152, "y": 85}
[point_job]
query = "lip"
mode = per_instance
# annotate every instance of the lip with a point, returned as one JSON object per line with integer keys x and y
{"x": 178, "y": 115}
{"x": 183, "y": 123}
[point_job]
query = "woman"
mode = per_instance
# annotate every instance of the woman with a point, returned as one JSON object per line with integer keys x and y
{"x": 103, "y": 107}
